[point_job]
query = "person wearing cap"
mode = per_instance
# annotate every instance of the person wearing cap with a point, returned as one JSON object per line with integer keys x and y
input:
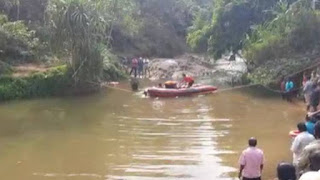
{"x": 251, "y": 162}
{"x": 300, "y": 142}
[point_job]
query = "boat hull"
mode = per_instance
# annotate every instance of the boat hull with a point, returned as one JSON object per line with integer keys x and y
{"x": 163, "y": 92}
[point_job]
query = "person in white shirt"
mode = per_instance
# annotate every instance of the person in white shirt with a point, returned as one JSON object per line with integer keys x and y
{"x": 314, "y": 174}
{"x": 304, "y": 160}
{"x": 146, "y": 62}
{"x": 300, "y": 142}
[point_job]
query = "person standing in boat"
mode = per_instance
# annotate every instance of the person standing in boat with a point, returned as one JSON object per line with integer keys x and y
{"x": 187, "y": 80}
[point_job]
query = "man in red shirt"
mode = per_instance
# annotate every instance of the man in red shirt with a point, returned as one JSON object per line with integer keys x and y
{"x": 187, "y": 79}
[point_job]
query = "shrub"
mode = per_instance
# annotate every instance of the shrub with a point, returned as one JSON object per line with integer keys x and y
{"x": 296, "y": 31}
{"x": 16, "y": 40}
{"x": 53, "y": 82}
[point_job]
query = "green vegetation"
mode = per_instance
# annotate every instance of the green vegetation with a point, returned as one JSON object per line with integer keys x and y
{"x": 16, "y": 40}
{"x": 276, "y": 37}
{"x": 84, "y": 36}
{"x": 89, "y": 37}
{"x": 53, "y": 82}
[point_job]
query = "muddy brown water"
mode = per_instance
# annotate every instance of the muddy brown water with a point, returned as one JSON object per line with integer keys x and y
{"x": 118, "y": 135}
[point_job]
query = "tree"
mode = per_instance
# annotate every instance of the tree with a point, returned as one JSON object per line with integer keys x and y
{"x": 83, "y": 27}
{"x": 231, "y": 21}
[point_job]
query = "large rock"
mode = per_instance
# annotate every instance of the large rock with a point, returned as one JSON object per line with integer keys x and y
{"x": 200, "y": 67}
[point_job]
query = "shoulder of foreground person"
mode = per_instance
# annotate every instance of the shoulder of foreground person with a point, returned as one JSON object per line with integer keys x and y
{"x": 310, "y": 176}
{"x": 304, "y": 157}
{"x": 313, "y": 145}
{"x": 260, "y": 150}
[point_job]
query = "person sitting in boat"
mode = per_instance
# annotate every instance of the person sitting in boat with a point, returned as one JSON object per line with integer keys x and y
{"x": 187, "y": 80}
{"x": 171, "y": 85}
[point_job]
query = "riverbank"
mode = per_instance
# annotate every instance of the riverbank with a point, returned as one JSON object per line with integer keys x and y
{"x": 53, "y": 81}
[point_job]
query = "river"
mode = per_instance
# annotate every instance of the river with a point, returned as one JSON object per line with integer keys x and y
{"x": 120, "y": 136}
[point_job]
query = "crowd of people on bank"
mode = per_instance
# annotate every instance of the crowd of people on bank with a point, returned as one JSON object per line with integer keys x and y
{"x": 305, "y": 146}
{"x": 306, "y": 158}
{"x": 139, "y": 66}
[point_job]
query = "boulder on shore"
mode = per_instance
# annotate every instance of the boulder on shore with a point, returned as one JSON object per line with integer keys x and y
{"x": 198, "y": 66}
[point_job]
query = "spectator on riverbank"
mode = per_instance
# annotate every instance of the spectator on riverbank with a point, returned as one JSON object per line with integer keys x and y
{"x": 146, "y": 62}
{"x": 300, "y": 142}
{"x": 304, "y": 79}
{"x": 315, "y": 97}
{"x": 283, "y": 88}
{"x": 310, "y": 122}
{"x": 289, "y": 89}
{"x": 304, "y": 160}
{"x": 251, "y": 162}
{"x": 140, "y": 67}
{"x": 314, "y": 174}
{"x": 286, "y": 171}
{"x": 314, "y": 77}
{"x": 134, "y": 66}
{"x": 307, "y": 91}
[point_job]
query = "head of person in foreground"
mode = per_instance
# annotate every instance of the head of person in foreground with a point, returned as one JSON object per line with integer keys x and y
{"x": 286, "y": 171}
{"x": 252, "y": 142}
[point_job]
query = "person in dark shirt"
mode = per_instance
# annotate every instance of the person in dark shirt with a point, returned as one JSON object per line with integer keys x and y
{"x": 315, "y": 97}
{"x": 283, "y": 88}
{"x": 140, "y": 67}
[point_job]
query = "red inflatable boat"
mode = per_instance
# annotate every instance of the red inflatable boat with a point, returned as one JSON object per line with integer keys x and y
{"x": 164, "y": 92}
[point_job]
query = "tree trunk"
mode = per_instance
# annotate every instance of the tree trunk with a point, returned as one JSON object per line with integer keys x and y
{"x": 18, "y": 9}
{"x": 115, "y": 6}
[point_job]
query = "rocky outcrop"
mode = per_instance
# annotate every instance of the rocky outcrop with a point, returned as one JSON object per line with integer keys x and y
{"x": 222, "y": 70}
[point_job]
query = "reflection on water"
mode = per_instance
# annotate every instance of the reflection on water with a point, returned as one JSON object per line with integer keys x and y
{"x": 117, "y": 135}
